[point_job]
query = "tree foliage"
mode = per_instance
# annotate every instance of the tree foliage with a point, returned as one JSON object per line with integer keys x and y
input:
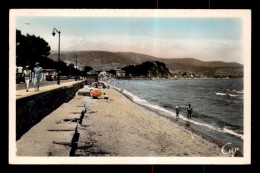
{"x": 31, "y": 49}
{"x": 148, "y": 69}
{"x": 87, "y": 69}
{"x": 112, "y": 72}
{"x": 184, "y": 74}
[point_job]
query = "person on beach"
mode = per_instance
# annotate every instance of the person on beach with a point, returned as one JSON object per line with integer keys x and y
{"x": 105, "y": 96}
{"x": 177, "y": 112}
{"x": 37, "y": 76}
{"x": 189, "y": 111}
{"x": 27, "y": 77}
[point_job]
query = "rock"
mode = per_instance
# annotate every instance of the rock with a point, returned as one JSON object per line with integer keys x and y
{"x": 84, "y": 93}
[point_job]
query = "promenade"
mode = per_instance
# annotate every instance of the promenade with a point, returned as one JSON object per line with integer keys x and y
{"x": 55, "y": 134}
{"x": 22, "y": 93}
{"x": 49, "y": 119}
{"x": 21, "y": 86}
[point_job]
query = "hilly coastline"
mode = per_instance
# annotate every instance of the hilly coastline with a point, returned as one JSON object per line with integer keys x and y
{"x": 111, "y": 60}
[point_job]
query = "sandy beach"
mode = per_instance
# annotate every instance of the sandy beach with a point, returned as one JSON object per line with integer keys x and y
{"x": 119, "y": 127}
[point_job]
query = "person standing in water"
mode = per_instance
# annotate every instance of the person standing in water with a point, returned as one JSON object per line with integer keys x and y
{"x": 189, "y": 111}
{"x": 37, "y": 76}
{"x": 27, "y": 77}
{"x": 177, "y": 112}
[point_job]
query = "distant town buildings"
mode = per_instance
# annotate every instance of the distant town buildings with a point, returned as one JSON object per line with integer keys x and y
{"x": 104, "y": 76}
{"x": 120, "y": 72}
{"x": 92, "y": 72}
{"x": 49, "y": 74}
{"x": 92, "y": 76}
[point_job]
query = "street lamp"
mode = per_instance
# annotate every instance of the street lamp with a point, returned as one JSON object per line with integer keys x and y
{"x": 76, "y": 67}
{"x": 53, "y": 33}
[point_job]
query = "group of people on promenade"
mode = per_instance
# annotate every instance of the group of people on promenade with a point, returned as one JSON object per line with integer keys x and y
{"x": 189, "y": 111}
{"x": 37, "y": 76}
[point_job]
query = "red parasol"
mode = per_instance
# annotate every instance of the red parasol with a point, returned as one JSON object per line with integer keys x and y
{"x": 96, "y": 93}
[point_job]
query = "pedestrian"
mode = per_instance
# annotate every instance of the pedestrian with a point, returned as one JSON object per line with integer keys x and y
{"x": 177, "y": 112}
{"x": 37, "y": 76}
{"x": 27, "y": 77}
{"x": 105, "y": 96}
{"x": 189, "y": 111}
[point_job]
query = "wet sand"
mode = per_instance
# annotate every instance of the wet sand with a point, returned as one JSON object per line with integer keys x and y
{"x": 122, "y": 128}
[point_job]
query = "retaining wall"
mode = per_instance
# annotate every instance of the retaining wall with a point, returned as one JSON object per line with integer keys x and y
{"x": 32, "y": 109}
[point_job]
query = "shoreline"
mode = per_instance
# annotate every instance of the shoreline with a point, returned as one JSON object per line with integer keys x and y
{"x": 183, "y": 124}
{"x": 178, "y": 78}
{"x": 119, "y": 127}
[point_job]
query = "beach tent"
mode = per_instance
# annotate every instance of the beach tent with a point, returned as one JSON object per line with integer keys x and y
{"x": 92, "y": 72}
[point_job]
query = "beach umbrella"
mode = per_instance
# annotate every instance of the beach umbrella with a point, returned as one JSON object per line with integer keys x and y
{"x": 96, "y": 93}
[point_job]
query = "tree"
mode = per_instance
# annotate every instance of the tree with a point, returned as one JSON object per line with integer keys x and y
{"x": 148, "y": 68}
{"x": 87, "y": 69}
{"x": 71, "y": 67}
{"x": 31, "y": 49}
{"x": 112, "y": 72}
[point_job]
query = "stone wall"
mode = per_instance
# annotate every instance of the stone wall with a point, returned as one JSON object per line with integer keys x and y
{"x": 32, "y": 109}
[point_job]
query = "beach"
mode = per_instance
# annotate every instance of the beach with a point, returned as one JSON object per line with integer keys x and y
{"x": 116, "y": 126}
{"x": 119, "y": 127}
{"x": 217, "y": 105}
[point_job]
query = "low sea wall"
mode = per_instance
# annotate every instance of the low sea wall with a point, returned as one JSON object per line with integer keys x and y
{"x": 32, "y": 109}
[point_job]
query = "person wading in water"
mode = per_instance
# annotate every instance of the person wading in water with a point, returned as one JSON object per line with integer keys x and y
{"x": 177, "y": 112}
{"x": 189, "y": 111}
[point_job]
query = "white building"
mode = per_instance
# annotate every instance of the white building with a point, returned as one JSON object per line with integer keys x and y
{"x": 120, "y": 72}
{"x": 104, "y": 76}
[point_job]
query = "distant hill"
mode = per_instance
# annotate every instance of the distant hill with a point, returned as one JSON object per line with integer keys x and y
{"x": 103, "y": 59}
{"x": 111, "y": 60}
{"x": 203, "y": 67}
{"x": 148, "y": 69}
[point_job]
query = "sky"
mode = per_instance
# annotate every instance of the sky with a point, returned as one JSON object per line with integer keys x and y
{"x": 206, "y": 39}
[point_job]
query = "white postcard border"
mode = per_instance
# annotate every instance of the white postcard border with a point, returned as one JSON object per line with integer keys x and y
{"x": 245, "y": 15}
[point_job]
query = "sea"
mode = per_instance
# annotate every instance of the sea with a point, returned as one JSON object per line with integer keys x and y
{"x": 218, "y": 104}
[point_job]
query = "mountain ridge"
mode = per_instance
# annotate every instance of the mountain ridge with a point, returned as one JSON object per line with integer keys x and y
{"x": 110, "y": 60}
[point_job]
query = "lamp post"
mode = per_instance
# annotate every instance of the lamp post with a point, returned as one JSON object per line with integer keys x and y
{"x": 76, "y": 67}
{"x": 53, "y": 33}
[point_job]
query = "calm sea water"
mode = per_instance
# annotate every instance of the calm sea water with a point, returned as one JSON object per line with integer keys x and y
{"x": 217, "y": 103}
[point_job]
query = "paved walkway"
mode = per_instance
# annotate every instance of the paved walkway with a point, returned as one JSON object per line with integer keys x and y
{"x": 23, "y": 93}
{"x": 53, "y": 135}
{"x": 21, "y": 86}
